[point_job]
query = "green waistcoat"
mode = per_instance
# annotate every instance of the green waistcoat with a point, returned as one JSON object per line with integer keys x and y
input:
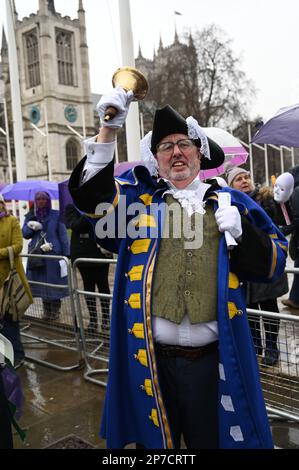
{"x": 185, "y": 280}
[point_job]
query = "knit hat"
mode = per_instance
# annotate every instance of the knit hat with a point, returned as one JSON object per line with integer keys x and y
{"x": 168, "y": 121}
{"x": 232, "y": 171}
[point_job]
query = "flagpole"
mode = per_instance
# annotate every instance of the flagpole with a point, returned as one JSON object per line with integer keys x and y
{"x": 127, "y": 53}
{"x": 9, "y": 27}
{"x": 15, "y": 93}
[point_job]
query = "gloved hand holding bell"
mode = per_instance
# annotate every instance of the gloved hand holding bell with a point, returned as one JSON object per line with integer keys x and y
{"x": 129, "y": 85}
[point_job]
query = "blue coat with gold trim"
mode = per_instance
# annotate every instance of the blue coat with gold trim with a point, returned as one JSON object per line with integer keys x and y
{"x": 134, "y": 409}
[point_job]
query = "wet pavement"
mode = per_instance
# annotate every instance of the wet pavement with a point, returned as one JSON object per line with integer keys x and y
{"x": 59, "y": 404}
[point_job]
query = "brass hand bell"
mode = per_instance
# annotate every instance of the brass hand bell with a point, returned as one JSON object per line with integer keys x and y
{"x": 128, "y": 78}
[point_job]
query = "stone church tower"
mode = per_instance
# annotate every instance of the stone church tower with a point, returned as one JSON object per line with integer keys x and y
{"x": 173, "y": 79}
{"x": 55, "y": 89}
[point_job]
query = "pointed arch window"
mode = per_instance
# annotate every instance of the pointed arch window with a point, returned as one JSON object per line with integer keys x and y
{"x": 3, "y": 156}
{"x": 72, "y": 154}
{"x": 64, "y": 49}
{"x": 32, "y": 59}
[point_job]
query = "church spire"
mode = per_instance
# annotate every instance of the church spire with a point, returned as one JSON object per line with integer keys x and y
{"x": 4, "y": 46}
{"x": 80, "y": 7}
{"x": 176, "y": 37}
{"x": 14, "y": 10}
{"x": 160, "y": 48}
{"x": 51, "y": 6}
{"x": 140, "y": 56}
{"x": 191, "y": 42}
{"x": 46, "y": 6}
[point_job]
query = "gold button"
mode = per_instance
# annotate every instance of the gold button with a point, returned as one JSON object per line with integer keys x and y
{"x": 189, "y": 273}
{"x": 190, "y": 254}
{"x": 187, "y": 292}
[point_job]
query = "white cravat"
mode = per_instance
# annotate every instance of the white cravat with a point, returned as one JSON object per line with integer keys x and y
{"x": 191, "y": 197}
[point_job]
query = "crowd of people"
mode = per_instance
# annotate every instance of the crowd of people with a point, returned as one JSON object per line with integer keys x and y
{"x": 183, "y": 353}
{"x": 44, "y": 277}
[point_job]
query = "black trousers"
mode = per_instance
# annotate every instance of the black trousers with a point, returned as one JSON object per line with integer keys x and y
{"x": 190, "y": 393}
{"x": 271, "y": 326}
{"x": 93, "y": 277}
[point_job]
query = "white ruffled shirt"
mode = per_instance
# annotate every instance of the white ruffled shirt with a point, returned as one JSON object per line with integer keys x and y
{"x": 186, "y": 334}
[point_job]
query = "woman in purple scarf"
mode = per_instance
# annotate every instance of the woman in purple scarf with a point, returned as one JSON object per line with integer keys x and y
{"x": 43, "y": 227}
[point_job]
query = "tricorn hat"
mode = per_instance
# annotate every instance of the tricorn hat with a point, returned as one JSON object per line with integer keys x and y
{"x": 168, "y": 121}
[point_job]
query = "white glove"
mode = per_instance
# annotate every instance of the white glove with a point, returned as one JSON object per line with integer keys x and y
{"x": 119, "y": 99}
{"x": 228, "y": 218}
{"x": 34, "y": 225}
{"x": 46, "y": 247}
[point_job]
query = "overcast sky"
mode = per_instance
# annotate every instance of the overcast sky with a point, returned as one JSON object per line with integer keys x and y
{"x": 264, "y": 33}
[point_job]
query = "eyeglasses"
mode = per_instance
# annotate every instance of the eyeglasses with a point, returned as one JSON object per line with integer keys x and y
{"x": 167, "y": 148}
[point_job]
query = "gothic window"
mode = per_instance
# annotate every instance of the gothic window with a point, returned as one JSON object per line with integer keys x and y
{"x": 2, "y": 154}
{"x": 64, "y": 48}
{"x": 72, "y": 154}
{"x": 32, "y": 59}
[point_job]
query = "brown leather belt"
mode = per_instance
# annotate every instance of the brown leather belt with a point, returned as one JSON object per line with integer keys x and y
{"x": 185, "y": 351}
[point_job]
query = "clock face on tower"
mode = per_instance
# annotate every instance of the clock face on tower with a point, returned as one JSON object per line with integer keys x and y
{"x": 70, "y": 113}
{"x": 34, "y": 114}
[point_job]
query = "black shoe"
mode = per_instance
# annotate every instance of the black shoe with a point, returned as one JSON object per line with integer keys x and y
{"x": 271, "y": 357}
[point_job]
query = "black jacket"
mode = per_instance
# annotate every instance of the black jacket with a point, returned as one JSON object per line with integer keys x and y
{"x": 83, "y": 242}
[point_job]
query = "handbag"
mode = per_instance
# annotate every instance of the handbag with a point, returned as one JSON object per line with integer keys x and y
{"x": 13, "y": 297}
{"x": 37, "y": 263}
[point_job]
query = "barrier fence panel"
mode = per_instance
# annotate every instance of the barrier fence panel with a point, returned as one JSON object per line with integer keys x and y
{"x": 280, "y": 382}
{"x": 93, "y": 313}
{"x": 49, "y": 325}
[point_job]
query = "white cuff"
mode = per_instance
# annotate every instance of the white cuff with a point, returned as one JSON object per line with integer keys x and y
{"x": 98, "y": 157}
{"x": 99, "y": 153}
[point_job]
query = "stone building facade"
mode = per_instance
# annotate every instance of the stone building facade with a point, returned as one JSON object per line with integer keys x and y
{"x": 55, "y": 89}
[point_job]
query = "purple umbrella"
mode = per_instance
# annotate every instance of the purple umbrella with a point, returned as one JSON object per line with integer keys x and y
{"x": 281, "y": 129}
{"x": 26, "y": 190}
{"x": 120, "y": 168}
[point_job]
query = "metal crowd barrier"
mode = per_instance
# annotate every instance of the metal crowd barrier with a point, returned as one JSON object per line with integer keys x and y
{"x": 280, "y": 382}
{"x": 94, "y": 326}
{"x": 83, "y": 328}
{"x": 50, "y": 326}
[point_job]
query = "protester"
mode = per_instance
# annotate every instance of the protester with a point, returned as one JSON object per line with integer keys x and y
{"x": 182, "y": 361}
{"x": 11, "y": 236}
{"x": 287, "y": 193}
{"x": 83, "y": 245}
{"x": 49, "y": 237}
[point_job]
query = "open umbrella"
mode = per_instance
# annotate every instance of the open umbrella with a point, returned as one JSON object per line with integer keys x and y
{"x": 233, "y": 150}
{"x": 26, "y": 190}
{"x": 281, "y": 129}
